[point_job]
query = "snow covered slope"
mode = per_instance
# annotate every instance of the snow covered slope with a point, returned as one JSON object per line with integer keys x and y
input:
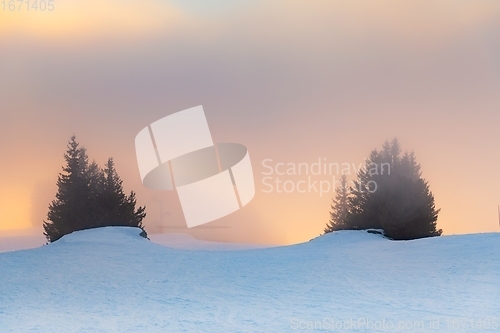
{"x": 112, "y": 280}
{"x": 172, "y": 240}
{"x": 187, "y": 242}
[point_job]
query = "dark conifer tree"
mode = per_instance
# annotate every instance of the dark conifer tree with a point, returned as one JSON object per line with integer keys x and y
{"x": 340, "y": 207}
{"x": 116, "y": 207}
{"x": 68, "y": 211}
{"x": 390, "y": 194}
{"x": 89, "y": 197}
{"x": 361, "y": 212}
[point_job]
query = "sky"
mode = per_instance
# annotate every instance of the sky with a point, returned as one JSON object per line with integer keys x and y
{"x": 293, "y": 81}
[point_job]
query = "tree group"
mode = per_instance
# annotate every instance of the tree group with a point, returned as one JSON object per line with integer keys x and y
{"x": 89, "y": 197}
{"x": 390, "y": 194}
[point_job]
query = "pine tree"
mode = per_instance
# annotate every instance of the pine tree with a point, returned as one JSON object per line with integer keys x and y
{"x": 117, "y": 208}
{"x": 340, "y": 207}
{"x": 361, "y": 212}
{"x": 95, "y": 178}
{"x": 400, "y": 201}
{"x": 406, "y": 209}
{"x": 89, "y": 197}
{"x": 67, "y": 212}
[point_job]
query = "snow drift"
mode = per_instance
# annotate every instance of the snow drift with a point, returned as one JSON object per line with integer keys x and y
{"x": 113, "y": 280}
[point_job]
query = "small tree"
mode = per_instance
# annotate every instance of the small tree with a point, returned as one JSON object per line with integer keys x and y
{"x": 115, "y": 207}
{"x": 68, "y": 211}
{"x": 89, "y": 197}
{"x": 390, "y": 194}
{"x": 361, "y": 213}
{"x": 340, "y": 207}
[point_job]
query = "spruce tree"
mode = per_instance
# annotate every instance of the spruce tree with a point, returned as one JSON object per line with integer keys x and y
{"x": 67, "y": 212}
{"x": 361, "y": 212}
{"x": 390, "y": 194}
{"x": 117, "y": 208}
{"x": 89, "y": 197}
{"x": 339, "y": 208}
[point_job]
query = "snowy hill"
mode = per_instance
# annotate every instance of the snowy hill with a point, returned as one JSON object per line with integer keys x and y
{"x": 172, "y": 240}
{"x": 187, "y": 242}
{"x": 113, "y": 280}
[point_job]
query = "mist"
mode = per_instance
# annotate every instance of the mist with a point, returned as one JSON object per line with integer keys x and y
{"x": 292, "y": 81}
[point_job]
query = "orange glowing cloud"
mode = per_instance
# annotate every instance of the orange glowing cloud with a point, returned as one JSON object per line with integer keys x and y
{"x": 89, "y": 18}
{"x": 14, "y": 207}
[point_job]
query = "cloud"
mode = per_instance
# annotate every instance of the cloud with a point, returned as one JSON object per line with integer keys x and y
{"x": 14, "y": 203}
{"x": 293, "y": 80}
{"x": 413, "y": 21}
{"x": 91, "y": 18}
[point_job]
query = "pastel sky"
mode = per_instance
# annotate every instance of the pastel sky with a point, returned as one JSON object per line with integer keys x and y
{"x": 294, "y": 81}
